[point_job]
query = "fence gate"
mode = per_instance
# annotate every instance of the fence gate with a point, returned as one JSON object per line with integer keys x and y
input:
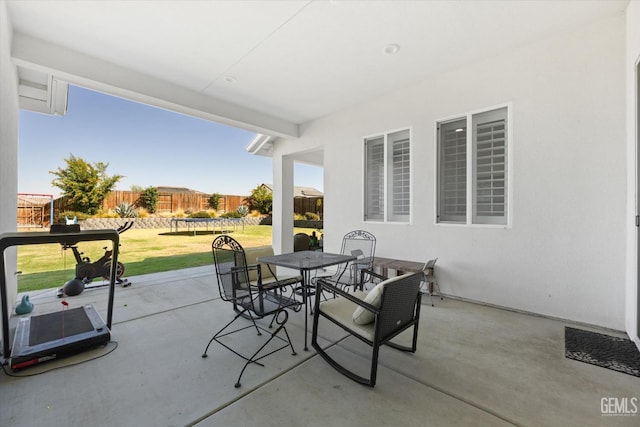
{"x": 164, "y": 203}
{"x": 34, "y": 210}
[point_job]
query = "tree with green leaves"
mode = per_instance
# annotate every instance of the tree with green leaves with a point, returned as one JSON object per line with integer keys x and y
{"x": 85, "y": 185}
{"x": 261, "y": 199}
{"x": 214, "y": 201}
{"x": 149, "y": 199}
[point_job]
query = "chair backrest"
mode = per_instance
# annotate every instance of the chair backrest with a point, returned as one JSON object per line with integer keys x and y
{"x": 399, "y": 304}
{"x": 357, "y": 253}
{"x": 251, "y": 255}
{"x": 301, "y": 242}
{"x": 361, "y": 244}
{"x": 231, "y": 268}
{"x": 429, "y": 266}
{"x": 359, "y": 240}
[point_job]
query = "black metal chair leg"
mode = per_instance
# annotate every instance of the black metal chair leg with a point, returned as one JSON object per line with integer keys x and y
{"x": 217, "y": 334}
{"x": 252, "y": 359}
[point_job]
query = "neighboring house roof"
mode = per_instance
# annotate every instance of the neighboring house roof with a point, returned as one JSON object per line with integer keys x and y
{"x": 181, "y": 190}
{"x": 300, "y": 191}
{"x": 32, "y": 201}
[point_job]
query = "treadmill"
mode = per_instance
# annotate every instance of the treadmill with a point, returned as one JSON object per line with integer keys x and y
{"x": 40, "y": 338}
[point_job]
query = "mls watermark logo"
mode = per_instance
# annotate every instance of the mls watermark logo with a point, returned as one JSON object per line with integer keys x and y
{"x": 619, "y": 406}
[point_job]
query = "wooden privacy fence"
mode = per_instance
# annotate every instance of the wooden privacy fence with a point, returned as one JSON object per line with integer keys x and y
{"x": 174, "y": 202}
{"x": 231, "y": 203}
{"x": 186, "y": 202}
{"x": 302, "y": 205}
{"x": 167, "y": 202}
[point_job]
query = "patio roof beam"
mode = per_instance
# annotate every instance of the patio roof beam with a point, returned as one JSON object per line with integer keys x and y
{"x": 93, "y": 73}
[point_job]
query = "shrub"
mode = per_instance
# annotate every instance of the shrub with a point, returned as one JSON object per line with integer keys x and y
{"x": 108, "y": 213}
{"x": 143, "y": 213}
{"x": 261, "y": 199}
{"x": 243, "y": 210}
{"x": 311, "y": 216}
{"x": 234, "y": 214}
{"x": 125, "y": 210}
{"x": 149, "y": 199}
{"x": 214, "y": 200}
{"x": 199, "y": 214}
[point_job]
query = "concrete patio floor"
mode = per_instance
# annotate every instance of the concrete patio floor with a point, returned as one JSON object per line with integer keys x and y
{"x": 475, "y": 366}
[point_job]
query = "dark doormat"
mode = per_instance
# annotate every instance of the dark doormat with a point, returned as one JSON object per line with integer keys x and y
{"x": 618, "y": 354}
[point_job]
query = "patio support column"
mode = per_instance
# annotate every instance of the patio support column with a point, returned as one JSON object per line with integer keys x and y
{"x": 8, "y": 148}
{"x": 282, "y": 204}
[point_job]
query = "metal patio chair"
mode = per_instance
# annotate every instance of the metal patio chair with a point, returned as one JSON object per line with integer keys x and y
{"x": 301, "y": 242}
{"x": 430, "y": 279}
{"x": 389, "y": 309}
{"x": 359, "y": 243}
{"x": 251, "y": 301}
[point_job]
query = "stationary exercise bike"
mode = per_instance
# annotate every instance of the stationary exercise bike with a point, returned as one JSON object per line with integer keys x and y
{"x": 86, "y": 270}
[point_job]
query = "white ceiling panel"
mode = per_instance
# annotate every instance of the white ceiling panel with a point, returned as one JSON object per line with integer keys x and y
{"x": 296, "y": 60}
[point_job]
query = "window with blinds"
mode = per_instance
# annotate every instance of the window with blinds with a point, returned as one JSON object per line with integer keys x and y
{"x": 452, "y": 203}
{"x": 374, "y": 182}
{"x": 490, "y": 167}
{"x": 400, "y": 176}
{"x": 388, "y": 177}
{"x": 480, "y": 154}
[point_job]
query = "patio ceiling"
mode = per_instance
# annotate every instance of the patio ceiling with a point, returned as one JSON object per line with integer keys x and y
{"x": 269, "y": 66}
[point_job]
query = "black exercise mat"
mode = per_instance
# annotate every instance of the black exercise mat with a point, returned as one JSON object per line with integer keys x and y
{"x": 618, "y": 354}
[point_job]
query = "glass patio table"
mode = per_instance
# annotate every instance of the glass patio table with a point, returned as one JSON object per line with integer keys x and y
{"x": 306, "y": 262}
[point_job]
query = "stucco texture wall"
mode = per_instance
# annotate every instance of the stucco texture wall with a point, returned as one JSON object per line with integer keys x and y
{"x": 564, "y": 255}
{"x": 633, "y": 101}
{"x": 8, "y": 146}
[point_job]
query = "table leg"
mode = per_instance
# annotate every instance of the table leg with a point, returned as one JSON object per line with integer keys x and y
{"x": 305, "y": 283}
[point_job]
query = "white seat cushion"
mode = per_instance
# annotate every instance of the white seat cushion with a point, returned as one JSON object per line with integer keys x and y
{"x": 341, "y": 310}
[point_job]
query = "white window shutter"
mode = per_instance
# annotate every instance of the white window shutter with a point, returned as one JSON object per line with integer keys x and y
{"x": 452, "y": 180}
{"x": 374, "y": 179}
{"x": 490, "y": 167}
{"x": 400, "y": 175}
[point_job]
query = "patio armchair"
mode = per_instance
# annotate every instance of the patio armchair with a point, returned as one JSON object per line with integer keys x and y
{"x": 390, "y": 308}
{"x": 251, "y": 301}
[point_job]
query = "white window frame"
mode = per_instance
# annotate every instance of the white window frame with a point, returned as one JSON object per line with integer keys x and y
{"x": 387, "y": 191}
{"x": 469, "y": 218}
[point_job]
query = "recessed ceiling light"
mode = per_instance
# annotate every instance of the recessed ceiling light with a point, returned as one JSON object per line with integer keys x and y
{"x": 392, "y": 49}
{"x": 230, "y": 79}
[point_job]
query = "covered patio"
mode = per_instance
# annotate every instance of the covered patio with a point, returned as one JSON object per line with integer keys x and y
{"x": 475, "y": 366}
{"x": 335, "y": 84}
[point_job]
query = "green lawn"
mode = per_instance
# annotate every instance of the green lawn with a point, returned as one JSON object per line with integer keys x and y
{"x": 142, "y": 251}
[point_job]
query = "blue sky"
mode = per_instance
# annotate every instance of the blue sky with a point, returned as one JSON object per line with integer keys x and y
{"x": 149, "y": 146}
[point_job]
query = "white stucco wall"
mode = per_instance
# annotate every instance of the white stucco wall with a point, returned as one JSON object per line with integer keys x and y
{"x": 632, "y": 61}
{"x": 8, "y": 146}
{"x": 565, "y": 253}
